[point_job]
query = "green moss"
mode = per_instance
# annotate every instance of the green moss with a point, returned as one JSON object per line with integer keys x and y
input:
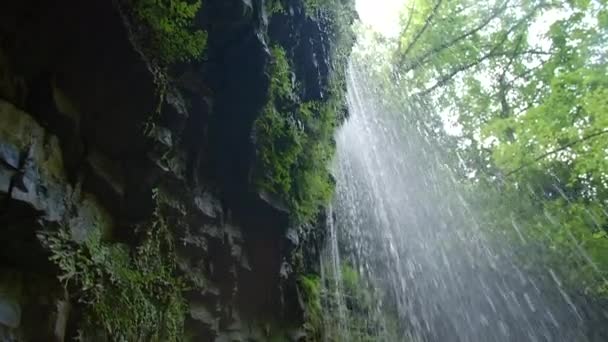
{"x": 350, "y": 278}
{"x": 131, "y": 294}
{"x": 294, "y": 139}
{"x": 171, "y": 35}
{"x": 366, "y": 313}
{"x": 294, "y": 144}
{"x": 310, "y": 289}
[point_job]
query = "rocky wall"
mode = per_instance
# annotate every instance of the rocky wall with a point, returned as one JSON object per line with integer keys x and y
{"x": 84, "y": 144}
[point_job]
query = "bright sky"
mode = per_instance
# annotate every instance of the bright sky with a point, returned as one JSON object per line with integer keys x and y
{"x": 382, "y": 15}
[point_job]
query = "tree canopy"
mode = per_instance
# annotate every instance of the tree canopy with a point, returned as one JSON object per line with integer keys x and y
{"x": 519, "y": 89}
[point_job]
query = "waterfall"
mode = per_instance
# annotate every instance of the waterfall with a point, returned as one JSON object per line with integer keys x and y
{"x": 425, "y": 268}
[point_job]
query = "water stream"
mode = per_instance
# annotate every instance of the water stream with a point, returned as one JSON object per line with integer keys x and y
{"x": 426, "y": 269}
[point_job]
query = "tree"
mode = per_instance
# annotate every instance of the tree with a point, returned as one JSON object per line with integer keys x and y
{"x": 531, "y": 112}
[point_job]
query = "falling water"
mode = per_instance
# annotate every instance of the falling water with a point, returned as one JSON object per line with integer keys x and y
{"x": 423, "y": 257}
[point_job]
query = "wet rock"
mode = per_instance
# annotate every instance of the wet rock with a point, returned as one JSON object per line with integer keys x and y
{"x": 10, "y": 156}
{"x": 163, "y": 136}
{"x": 307, "y": 41}
{"x": 64, "y": 104}
{"x": 293, "y": 236}
{"x": 297, "y": 335}
{"x": 192, "y": 265}
{"x": 28, "y": 307}
{"x": 244, "y": 263}
{"x": 202, "y": 314}
{"x": 40, "y": 181}
{"x": 63, "y": 308}
{"x": 286, "y": 270}
{"x": 10, "y": 309}
{"x": 197, "y": 241}
{"x": 274, "y": 201}
{"x": 208, "y": 205}
{"x": 6, "y": 177}
{"x": 108, "y": 172}
{"x": 90, "y": 218}
{"x": 176, "y": 108}
{"x": 79, "y": 157}
{"x": 211, "y": 230}
{"x": 240, "y": 88}
{"x": 12, "y": 88}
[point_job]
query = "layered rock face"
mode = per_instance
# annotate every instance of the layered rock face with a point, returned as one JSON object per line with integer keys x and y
{"x": 88, "y": 141}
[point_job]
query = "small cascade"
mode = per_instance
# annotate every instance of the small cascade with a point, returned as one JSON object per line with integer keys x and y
{"x": 331, "y": 277}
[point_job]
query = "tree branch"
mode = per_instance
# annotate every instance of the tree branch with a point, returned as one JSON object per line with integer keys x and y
{"x": 423, "y": 59}
{"x": 492, "y": 53}
{"x": 407, "y": 24}
{"x": 427, "y": 22}
{"x": 409, "y": 19}
{"x": 443, "y": 80}
{"x": 559, "y": 149}
{"x": 503, "y": 88}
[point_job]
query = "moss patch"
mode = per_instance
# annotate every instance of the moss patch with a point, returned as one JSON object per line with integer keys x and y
{"x": 294, "y": 144}
{"x": 294, "y": 139}
{"x": 310, "y": 290}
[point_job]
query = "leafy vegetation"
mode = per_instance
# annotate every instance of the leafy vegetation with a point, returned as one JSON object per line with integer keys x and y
{"x": 525, "y": 108}
{"x": 352, "y": 309}
{"x": 310, "y": 289}
{"x": 294, "y": 138}
{"x": 132, "y": 296}
{"x": 295, "y": 143}
{"x": 171, "y": 35}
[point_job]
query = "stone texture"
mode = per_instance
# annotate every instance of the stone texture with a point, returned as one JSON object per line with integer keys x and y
{"x": 38, "y": 178}
{"x": 75, "y": 97}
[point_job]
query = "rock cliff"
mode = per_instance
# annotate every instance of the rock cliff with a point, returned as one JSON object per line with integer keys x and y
{"x": 125, "y": 185}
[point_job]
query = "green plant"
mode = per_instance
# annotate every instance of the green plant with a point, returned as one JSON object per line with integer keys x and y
{"x": 310, "y": 289}
{"x": 132, "y": 295}
{"x": 355, "y": 311}
{"x": 171, "y": 36}
{"x": 294, "y": 144}
{"x": 294, "y": 138}
{"x": 350, "y": 278}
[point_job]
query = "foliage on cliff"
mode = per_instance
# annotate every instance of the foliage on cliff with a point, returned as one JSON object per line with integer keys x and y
{"x": 131, "y": 295}
{"x": 295, "y": 138}
{"x": 354, "y": 311}
{"x": 171, "y": 37}
{"x": 295, "y": 143}
{"x": 310, "y": 290}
